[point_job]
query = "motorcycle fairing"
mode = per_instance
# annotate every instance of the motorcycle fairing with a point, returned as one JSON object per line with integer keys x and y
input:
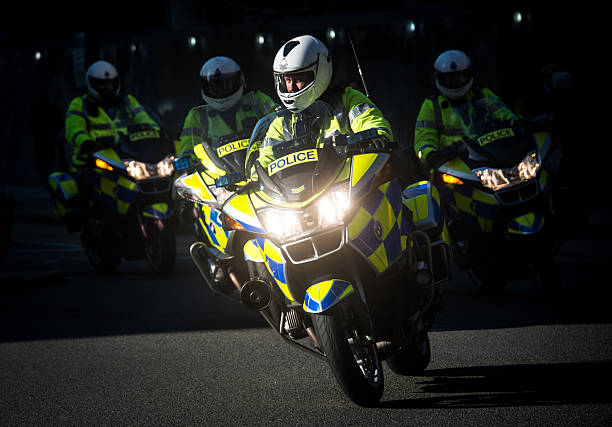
{"x": 115, "y": 190}
{"x": 544, "y": 142}
{"x": 423, "y": 200}
{"x": 457, "y": 167}
{"x": 210, "y": 165}
{"x": 251, "y": 252}
{"x": 528, "y": 223}
{"x": 239, "y": 208}
{"x": 64, "y": 190}
{"x": 157, "y": 211}
{"x": 110, "y": 156}
{"x": 212, "y": 226}
{"x": 196, "y": 182}
{"x": 476, "y": 207}
{"x": 378, "y": 231}
{"x": 324, "y": 295}
{"x": 364, "y": 168}
{"x": 276, "y": 264}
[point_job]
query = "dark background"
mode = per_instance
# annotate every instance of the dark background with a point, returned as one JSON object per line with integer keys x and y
{"x": 148, "y": 42}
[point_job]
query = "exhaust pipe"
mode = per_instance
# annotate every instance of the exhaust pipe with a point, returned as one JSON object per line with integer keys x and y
{"x": 255, "y": 294}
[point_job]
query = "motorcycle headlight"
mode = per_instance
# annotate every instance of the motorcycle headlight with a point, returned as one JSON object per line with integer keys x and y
{"x": 329, "y": 210}
{"x": 139, "y": 170}
{"x": 281, "y": 223}
{"x": 332, "y": 206}
{"x": 496, "y": 179}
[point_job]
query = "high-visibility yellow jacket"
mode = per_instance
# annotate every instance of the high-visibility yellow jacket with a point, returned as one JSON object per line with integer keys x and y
{"x": 433, "y": 133}
{"x": 354, "y": 112}
{"x": 206, "y": 125}
{"x": 86, "y": 120}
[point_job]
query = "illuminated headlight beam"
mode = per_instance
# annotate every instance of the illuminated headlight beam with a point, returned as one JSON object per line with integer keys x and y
{"x": 496, "y": 179}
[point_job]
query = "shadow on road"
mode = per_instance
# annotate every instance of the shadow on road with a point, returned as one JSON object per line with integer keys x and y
{"x": 512, "y": 385}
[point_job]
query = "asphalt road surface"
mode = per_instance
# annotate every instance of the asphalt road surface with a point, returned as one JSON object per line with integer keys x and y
{"x": 129, "y": 348}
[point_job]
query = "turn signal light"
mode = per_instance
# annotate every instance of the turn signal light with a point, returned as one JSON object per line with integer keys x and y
{"x": 449, "y": 179}
{"x": 103, "y": 165}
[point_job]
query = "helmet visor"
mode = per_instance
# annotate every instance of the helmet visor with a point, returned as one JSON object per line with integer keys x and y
{"x": 107, "y": 88}
{"x": 221, "y": 85}
{"x": 294, "y": 82}
{"x": 455, "y": 79}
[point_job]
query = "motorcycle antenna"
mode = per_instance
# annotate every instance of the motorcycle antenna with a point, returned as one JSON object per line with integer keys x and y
{"x": 365, "y": 87}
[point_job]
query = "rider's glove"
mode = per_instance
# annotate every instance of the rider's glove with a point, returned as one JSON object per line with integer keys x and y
{"x": 380, "y": 143}
{"x": 438, "y": 157}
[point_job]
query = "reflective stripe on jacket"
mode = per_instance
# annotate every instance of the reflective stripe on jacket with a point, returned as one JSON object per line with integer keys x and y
{"x": 354, "y": 113}
{"x": 82, "y": 126}
{"x": 429, "y": 135}
{"x": 205, "y": 125}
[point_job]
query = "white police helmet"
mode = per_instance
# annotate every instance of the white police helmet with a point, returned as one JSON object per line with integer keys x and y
{"x": 222, "y": 83}
{"x": 453, "y": 74}
{"x": 103, "y": 81}
{"x": 309, "y": 58}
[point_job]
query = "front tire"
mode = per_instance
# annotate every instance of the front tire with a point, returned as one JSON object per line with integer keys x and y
{"x": 160, "y": 252}
{"x": 351, "y": 355}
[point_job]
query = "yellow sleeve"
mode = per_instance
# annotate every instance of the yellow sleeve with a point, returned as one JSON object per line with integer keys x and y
{"x": 363, "y": 114}
{"x": 76, "y": 124}
{"x": 191, "y": 132}
{"x": 426, "y": 137}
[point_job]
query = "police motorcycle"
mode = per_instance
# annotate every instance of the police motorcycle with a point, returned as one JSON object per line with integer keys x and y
{"x": 129, "y": 211}
{"x": 497, "y": 197}
{"x": 339, "y": 261}
{"x": 221, "y": 247}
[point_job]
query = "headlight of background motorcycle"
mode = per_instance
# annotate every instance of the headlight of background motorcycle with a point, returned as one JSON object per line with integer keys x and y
{"x": 496, "y": 179}
{"x": 140, "y": 170}
{"x": 329, "y": 210}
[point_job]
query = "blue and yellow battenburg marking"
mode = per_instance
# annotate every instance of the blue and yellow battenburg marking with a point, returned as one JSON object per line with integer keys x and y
{"x": 116, "y": 191}
{"x": 64, "y": 190}
{"x": 232, "y": 147}
{"x": 292, "y": 159}
{"x": 364, "y": 167}
{"x": 494, "y": 136}
{"x": 379, "y": 231}
{"x": 157, "y": 211}
{"x": 276, "y": 264}
{"x": 251, "y": 252}
{"x": 239, "y": 208}
{"x": 210, "y": 220}
{"x": 423, "y": 200}
{"x": 526, "y": 224}
{"x": 477, "y": 208}
{"x": 323, "y": 295}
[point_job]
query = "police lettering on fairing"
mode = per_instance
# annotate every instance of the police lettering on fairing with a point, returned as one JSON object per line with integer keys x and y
{"x": 292, "y": 160}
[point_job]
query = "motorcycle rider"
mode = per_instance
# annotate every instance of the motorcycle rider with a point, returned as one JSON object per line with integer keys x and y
{"x": 438, "y": 130}
{"x": 103, "y": 112}
{"x": 229, "y": 107}
{"x": 302, "y": 74}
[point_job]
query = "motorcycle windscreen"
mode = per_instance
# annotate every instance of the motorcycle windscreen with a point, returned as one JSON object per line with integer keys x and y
{"x": 500, "y": 148}
{"x": 490, "y": 132}
{"x": 149, "y": 146}
{"x": 302, "y": 173}
{"x": 229, "y": 152}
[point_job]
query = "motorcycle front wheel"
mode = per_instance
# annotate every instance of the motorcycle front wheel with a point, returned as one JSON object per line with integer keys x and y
{"x": 102, "y": 258}
{"x": 351, "y": 355}
{"x": 160, "y": 252}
